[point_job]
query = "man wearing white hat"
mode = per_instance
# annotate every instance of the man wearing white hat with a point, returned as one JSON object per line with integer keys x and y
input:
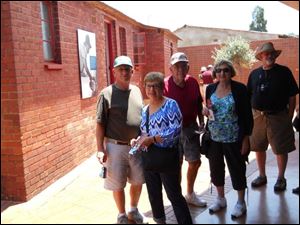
{"x": 185, "y": 90}
{"x": 273, "y": 91}
{"x": 119, "y": 110}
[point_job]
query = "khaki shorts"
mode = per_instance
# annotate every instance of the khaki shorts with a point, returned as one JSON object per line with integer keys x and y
{"x": 274, "y": 129}
{"x": 122, "y": 166}
{"x": 189, "y": 144}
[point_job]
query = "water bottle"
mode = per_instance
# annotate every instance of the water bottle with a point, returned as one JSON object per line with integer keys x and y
{"x": 103, "y": 171}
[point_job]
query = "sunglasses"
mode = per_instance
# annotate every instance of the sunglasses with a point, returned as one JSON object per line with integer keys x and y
{"x": 225, "y": 70}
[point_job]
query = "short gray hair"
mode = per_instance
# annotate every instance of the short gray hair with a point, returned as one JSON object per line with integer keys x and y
{"x": 155, "y": 76}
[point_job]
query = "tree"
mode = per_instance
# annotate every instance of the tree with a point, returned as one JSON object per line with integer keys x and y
{"x": 238, "y": 51}
{"x": 258, "y": 21}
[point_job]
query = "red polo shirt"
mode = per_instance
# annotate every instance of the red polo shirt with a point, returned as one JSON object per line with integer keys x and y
{"x": 188, "y": 98}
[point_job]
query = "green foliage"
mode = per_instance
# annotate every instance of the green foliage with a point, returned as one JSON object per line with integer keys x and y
{"x": 237, "y": 50}
{"x": 258, "y": 21}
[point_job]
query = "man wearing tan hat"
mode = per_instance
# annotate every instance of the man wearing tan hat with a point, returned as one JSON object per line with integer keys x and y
{"x": 273, "y": 91}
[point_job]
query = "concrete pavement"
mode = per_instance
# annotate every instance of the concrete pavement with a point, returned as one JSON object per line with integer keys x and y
{"x": 79, "y": 197}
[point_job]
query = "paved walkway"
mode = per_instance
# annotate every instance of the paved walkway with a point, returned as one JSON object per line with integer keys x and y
{"x": 79, "y": 197}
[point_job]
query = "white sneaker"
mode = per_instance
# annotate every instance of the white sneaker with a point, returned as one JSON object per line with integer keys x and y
{"x": 239, "y": 210}
{"x": 122, "y": 219}
{"x": 136, "y": 217}
{"x": 193, "y": 199}
{"x": 219, "y": 204}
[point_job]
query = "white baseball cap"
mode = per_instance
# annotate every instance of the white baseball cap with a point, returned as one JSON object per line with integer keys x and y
{"x": 178, "y": 57}
{"x": 122, "y": 60}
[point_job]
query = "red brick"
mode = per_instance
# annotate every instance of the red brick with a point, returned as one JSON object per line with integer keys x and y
{"x": 44, "y": 120}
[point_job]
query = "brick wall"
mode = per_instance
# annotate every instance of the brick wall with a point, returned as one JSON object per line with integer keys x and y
{"x": 12, "y": 174}
{"x": 201, "y": 56}
{"x": 168, "y": 53}
{"x": 157, "y": 55}
{"x": 46, "y": 128}
{"x": 56, "y": 127}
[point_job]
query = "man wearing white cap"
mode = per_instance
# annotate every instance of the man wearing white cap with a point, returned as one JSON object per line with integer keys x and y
{"x": 118, "y": 116}
{"x": 273, "y": 91}
{"x": 185, "y": 90}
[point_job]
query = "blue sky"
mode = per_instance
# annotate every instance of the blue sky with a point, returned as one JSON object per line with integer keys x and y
{"x": 227, "y": 14}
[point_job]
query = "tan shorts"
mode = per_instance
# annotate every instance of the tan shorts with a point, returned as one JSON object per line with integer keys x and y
{"x": 122, "y": 166}
{"x": 274, "y": 129}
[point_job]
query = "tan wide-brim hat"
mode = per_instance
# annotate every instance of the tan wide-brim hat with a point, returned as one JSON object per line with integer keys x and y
{"x": 267, "y": 47}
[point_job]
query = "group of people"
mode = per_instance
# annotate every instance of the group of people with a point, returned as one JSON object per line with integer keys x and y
{"x": 244, "y": 118}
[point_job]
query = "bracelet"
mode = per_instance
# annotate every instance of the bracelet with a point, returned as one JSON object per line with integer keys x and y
{"x": 154, "y": 139}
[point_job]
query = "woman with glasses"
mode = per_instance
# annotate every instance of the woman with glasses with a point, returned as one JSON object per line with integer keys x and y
{"x": 230, "y": 127}
{"x": 161, "y": 126}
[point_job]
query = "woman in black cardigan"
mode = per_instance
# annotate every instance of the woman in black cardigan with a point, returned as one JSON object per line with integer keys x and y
{"x": 230, "y": 124}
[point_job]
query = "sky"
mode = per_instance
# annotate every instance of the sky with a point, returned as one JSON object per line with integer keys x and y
{"x": 237, "y": 15}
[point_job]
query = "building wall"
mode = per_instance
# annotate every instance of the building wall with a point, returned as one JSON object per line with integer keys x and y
{"x": 195, "y": 36}
{"x": 46, "y": 128}
{"x": 54, "y": 121}
{"x": 157, "y": 54}
{"x": 201, "y": 56}
{"x": 12, "y": 173}
{"x": 168, "y": 53}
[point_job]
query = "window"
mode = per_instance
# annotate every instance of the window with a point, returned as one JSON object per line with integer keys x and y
{"x": 139, "y": 40}
{"x": 49, "y": 22}
{"x": 122, "y": 34}
{"x": 171, "y": 49}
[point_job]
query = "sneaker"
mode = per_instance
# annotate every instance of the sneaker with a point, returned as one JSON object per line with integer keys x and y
{"x": 280, "y": 184}
{"x": 219, "y": 204}
{"x": 296, "y": 190}
{"x": 239, "y": 210}
{"x": 193, "y": 199}
{"x": 259, "y": 181}
{"x": 136, "y": 217}
{"x": 122, "y": 219}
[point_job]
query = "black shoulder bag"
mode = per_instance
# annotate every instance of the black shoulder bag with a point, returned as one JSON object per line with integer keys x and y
{"x": 205, "y": 140}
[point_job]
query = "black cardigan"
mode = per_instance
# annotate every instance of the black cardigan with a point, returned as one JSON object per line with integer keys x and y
{"x": 242, "y": 104}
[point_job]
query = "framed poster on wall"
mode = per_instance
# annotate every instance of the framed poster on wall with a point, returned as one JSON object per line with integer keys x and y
{"x": 87, "y": 63}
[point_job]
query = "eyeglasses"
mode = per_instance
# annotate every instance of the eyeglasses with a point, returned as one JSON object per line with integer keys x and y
{"x": 183, "y": 65}
{"x": 155, "y": 86}
{"x": 225, "y": 70}
{"x": 125, "y": 68}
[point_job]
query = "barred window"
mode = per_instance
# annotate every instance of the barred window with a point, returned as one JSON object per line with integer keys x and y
{"x": 49, "y": 22}
{"x": 123, "y": 47}
{"x": 139, "y": 43}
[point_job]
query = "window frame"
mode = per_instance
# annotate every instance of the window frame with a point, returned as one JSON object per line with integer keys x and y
{"x": 137, "y": 45}
{"x": 123, "y": 43}
{"x": 50, "y": 23}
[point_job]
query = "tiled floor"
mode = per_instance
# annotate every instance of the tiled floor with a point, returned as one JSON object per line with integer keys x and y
{"x": 79, "y": 197}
